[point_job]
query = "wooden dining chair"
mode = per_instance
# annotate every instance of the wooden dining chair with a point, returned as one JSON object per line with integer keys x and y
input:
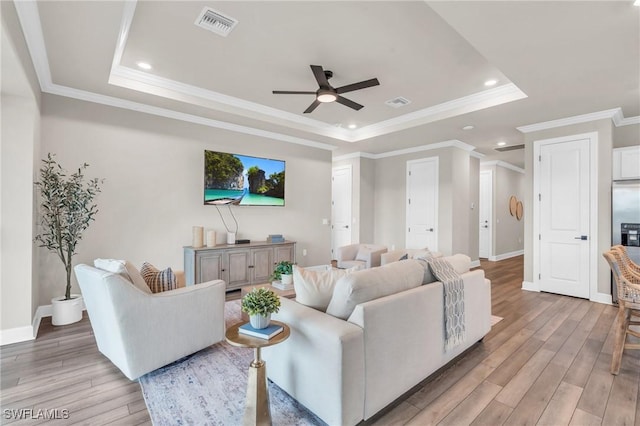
{"x": 628, "y": 287}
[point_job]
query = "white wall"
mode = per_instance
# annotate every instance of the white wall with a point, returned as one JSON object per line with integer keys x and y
{"x": 19, "y": 139}
{"x": 458, "y": 189}
{"x": 626, "y": 135}
{"x": 152, "y": 195}
{"x": 507, "y": 231}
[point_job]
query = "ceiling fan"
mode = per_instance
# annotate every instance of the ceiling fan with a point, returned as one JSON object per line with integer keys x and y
{"x": 327, "y": 93}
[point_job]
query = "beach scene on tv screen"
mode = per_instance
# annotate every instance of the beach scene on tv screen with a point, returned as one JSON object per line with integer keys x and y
{"x": 243, "y": 180}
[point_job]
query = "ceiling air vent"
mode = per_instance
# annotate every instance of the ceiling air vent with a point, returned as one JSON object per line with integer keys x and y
{"x": 509, "y": 148}
{"x": 398, "y": 102}
{"x": 216, "y": 22}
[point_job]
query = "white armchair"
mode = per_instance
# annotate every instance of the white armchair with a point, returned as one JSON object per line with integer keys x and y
{"x": 139, "y": 331}
{"x": 396, "y": 255}
{"x": 362, "y": 256}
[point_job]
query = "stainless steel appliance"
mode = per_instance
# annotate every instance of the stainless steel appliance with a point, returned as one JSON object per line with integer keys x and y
{"x": 625, "y": 215}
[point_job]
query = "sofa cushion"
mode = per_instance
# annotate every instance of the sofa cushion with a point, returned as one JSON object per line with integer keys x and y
{"x": 158, "y": 281}
{"x": 125, "y": 269}
{"x": 369, "y": 284}
{"x": 314, "y": 288}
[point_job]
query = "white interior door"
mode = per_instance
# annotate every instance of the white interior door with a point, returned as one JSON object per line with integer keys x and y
{"x": 422, "y": 204}
{"x": 564, "y": 208}
{"x": 340, "y": 208}
{"x": 485, "y": 211}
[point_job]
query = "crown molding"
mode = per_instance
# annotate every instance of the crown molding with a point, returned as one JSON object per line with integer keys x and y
{"x": 146, "y": 82}
{"x": 477, "y": 101}
{"x": 166, "y": 88}
{"x": 502, "y": 164}
{"x": 29, "y": 18}
{"x": 619, "y": 120}
{"x": 30, "y": 21}
{"x": 149, "y": 83}
{"x": 454, "y": 143}
{"x": 476, "y": 154}
{"x": 614, "y": 114}
{"x": 83, "y": 95}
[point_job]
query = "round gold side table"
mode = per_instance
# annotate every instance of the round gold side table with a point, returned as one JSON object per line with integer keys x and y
{"x": 257, "y": 410}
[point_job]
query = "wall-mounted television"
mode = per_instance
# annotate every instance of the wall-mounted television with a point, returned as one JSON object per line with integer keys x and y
{"x": 242, "y": 180}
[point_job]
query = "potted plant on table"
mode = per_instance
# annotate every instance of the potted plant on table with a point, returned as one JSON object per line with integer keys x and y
{"x": 259, "y": 304}
{"x": 66, "y": 210}
{"x": 283, "y": 272}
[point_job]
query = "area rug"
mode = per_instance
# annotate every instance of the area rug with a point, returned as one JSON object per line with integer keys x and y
{"x": 208, "y": 388}
{"x": 495, "y": 319}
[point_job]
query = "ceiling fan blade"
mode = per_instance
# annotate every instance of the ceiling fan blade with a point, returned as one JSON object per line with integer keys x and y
{"x": 291, "y": 92}
{"x": 321, "y": 78}
{"x": 313, "y": 106}
{"x": 347, "y": 102}
{"x": 358, "y": 86}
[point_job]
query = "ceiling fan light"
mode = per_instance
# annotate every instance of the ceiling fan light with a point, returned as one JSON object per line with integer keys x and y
{"x": 326, "y": 97}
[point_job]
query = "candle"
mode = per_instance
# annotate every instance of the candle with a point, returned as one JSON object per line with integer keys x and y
{"x": 198, "y": 236}
{"x": 211, "y": 238}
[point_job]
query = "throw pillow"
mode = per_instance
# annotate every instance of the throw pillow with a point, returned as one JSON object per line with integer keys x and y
{"x": 314, "y": 288}
{"x": 424, "y": 256}
{"x": 125, "y": 269}
{"x": 369, "y": 284}
{"x": 158, "y": 281}
{"x": 461, "y": 262}
{"x": 364, "y": 253}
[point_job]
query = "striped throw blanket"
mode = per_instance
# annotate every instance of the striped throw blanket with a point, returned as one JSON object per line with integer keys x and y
{"x": 454, "y": 328}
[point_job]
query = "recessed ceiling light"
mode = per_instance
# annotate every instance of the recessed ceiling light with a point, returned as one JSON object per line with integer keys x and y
{"x": 501, "y": 143}
{"x": 352, "y": 126}
{"x": 491, "y": 82}
{"x": 469, "y": 127}
{"x": 143, "y": 65}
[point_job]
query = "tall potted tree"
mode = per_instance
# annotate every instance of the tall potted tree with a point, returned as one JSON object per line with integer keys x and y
{"x": 66, "y": 210}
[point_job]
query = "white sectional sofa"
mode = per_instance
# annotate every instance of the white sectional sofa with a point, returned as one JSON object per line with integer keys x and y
{"x": 346, "y": 371}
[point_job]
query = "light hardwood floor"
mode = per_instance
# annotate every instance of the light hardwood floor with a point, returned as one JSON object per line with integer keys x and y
{"x": 546, "y": 363}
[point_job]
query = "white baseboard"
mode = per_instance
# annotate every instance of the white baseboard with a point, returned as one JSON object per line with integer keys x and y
{"x": 604, "y": 298}
{"x": 475, "y": 263}
{"x": 504, "y": 256}
{"x": 598, "y": 297}
{"x": 15, "y": 335}
{"x": 22, "y": 334}
{"x": 529, "y": 286}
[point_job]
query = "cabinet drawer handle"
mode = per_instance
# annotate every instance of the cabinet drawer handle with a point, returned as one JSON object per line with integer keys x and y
{"x": 222, "y": 270}
{"x": 251, "y": 266}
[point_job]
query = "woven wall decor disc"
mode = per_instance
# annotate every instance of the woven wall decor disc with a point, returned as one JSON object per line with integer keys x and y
{"x": 513, "y": 201}
{"x": 519, "y": 210}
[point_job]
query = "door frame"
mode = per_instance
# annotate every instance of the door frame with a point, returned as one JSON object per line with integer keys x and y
{"x": 349, "y": 169}
{"x": 491, "y": 219}
{"x": 436, "y": 162}
{"x": 593, "y": 209}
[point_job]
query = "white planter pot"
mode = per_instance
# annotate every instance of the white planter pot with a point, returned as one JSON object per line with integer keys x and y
{"x": 66, "y": 311}
{"x": 286, "y": 278}
{"x": 260, "y": 321}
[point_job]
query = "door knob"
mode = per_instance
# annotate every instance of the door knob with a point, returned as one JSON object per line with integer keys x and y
{"x": 430, "y": 229}
{"x": 346, "y": 226}
{"x": 581, "y": 237}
